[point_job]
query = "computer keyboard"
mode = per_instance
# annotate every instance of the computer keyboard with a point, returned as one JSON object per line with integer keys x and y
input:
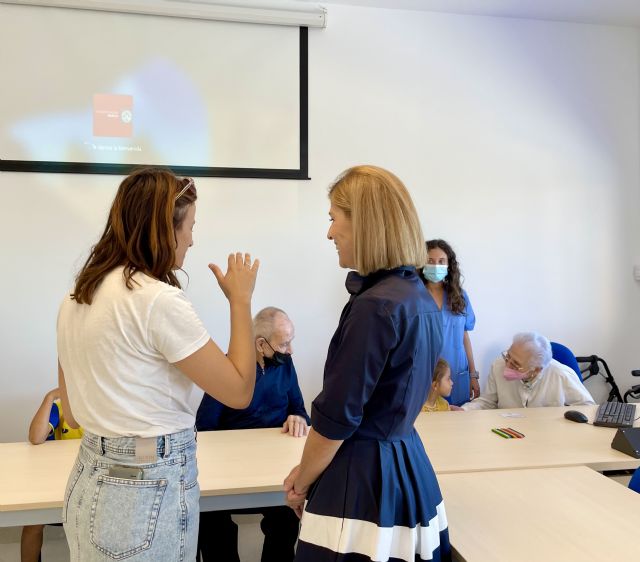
{"x": 615, "y": 414}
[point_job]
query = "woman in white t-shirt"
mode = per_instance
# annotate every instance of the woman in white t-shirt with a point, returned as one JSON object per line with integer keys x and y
{"x": 132, "y": 354}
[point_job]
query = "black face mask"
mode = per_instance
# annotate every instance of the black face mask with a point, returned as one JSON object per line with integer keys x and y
{"x": 277, "y": 359}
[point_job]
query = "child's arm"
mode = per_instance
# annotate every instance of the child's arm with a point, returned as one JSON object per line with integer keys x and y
{"x": 39, "y": 429}
{"x": 66, "y": 408}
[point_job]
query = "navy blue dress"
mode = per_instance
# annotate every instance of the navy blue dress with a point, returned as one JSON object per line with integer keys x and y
{"x": 379, "y": 498}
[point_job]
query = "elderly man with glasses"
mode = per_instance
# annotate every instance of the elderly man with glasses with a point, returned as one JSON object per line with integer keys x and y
{"x": 526, "y": 376}
{"x": 277, "y": 402}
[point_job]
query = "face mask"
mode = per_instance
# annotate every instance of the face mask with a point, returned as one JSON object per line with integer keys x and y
{"x": 513, "y": 375}
{"x": 435, "y": 273}
{"x": 278, "y": 358}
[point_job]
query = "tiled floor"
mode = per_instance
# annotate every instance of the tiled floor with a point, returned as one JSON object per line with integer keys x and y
{"x": 55, "y": 544}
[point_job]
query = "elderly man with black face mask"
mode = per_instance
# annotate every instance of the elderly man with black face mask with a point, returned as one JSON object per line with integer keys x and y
{"x": 277, "y": 402}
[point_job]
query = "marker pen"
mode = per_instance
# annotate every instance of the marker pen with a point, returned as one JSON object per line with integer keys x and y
{"x": 518, "y": 434}
{"x": 501, "y": 433}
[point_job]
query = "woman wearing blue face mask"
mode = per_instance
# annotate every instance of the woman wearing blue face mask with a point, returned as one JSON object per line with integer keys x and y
{"x": 442, "y": 279}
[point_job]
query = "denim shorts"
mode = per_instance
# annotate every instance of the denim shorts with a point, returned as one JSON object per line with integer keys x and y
{"x": 150, "y": 519}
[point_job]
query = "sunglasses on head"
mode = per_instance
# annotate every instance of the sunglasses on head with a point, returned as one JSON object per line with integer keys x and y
{"x": 185, "y": 188}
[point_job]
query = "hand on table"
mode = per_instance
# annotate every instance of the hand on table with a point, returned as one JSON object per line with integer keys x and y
{"x": 296, "y": 426}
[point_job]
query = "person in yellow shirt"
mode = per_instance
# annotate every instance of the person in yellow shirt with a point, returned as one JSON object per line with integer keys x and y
{"x": 441, "y": 386}
{"x": 48, "y": 424}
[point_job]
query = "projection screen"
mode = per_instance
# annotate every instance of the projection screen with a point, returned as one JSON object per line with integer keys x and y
{"x": 101, "y": 92}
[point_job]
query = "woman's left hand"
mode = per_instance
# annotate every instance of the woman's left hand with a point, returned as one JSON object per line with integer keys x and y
{"x": 475, "y": 389}
{"x": 296, "y": 502}
{"x": 295, "y": 496}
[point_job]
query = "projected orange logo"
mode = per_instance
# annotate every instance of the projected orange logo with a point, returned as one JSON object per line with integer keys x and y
{"x": 112, "y": 115}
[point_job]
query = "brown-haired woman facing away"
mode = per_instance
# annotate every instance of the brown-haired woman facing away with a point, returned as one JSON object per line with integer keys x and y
{"x": 372, "y": 493}
{"x": 443, "y": 280}
{"x": 132, "y": 353}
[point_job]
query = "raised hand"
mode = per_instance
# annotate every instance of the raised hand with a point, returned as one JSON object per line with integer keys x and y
{"x": 238, "y": 282}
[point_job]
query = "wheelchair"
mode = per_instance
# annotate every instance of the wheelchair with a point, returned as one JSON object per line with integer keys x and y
{"x": 592, "y": 365}
{"x": 634, "y": 391}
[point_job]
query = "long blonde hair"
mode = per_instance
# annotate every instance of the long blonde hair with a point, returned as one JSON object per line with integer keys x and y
{"x": 439, "y": 371}
{"x": 386, "y": 228}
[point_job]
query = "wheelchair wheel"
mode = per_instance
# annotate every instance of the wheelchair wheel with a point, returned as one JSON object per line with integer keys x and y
{"x": 633, "y": 393}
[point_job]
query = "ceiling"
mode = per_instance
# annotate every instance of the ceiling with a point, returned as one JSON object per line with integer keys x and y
{"x": 608, "y": 12}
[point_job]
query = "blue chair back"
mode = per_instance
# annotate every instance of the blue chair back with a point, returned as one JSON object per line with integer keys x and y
{"x": 634, "y": 483}
{"x": 564, "y": 355}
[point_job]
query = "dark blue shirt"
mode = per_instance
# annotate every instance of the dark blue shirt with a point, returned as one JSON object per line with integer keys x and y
{"x": 275, "y": 397}
{"x": 381, "y": 358}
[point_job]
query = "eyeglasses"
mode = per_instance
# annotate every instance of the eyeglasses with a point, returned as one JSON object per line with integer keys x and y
{"x": 185, "y": 188}
{"x": 509, "y": 361}
{"x": 285, "y": 345}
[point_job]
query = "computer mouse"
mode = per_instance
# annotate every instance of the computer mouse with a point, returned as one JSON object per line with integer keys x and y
{"x": 576, "y": 416}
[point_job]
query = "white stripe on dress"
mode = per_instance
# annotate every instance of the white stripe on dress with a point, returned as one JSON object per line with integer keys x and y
{"x": 378, "y": 543}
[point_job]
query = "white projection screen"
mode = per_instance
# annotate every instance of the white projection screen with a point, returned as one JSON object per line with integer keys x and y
{"x": 102, "y": 92}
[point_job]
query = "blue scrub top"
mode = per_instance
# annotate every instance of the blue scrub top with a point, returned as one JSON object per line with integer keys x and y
{"x": 453, "y": 328}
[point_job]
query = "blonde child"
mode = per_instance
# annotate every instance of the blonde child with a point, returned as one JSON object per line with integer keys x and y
{"x": 441, "y": 386}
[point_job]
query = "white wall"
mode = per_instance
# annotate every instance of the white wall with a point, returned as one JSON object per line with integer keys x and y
{"x": 518, "y": 140}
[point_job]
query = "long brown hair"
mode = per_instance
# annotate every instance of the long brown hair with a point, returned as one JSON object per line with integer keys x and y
{"x": 453, "y": 281}
{"x": 386, "y": 228}
{"x": 140, "y": 231}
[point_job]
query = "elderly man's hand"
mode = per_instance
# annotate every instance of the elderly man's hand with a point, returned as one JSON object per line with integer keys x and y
{"x": 296, "y": 426}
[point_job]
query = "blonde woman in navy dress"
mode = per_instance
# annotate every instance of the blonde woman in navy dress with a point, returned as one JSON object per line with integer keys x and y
{"x": 370, "y": 491}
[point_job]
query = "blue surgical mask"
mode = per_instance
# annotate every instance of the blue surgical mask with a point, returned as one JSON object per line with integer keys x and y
{"x": 435, "y": 273}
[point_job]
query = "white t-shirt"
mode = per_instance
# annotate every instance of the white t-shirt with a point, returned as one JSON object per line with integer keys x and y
{"x": 116, "y": 355}
{"x": 555, "y": 385}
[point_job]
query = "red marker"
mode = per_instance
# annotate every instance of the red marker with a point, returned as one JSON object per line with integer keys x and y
{"x": 514, "y": 432}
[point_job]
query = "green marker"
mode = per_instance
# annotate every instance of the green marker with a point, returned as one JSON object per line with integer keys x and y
{"x": 502, "y": 434}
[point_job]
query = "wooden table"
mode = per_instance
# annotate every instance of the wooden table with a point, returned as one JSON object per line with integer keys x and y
{"x": 246, "y": 468}
{"x": 237, "y": 469}
{"x": 464, "y": 442}
{"x": 569, "y": 514}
